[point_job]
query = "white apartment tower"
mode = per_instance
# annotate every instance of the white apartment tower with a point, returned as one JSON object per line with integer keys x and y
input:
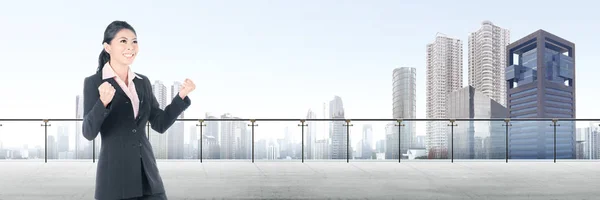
{"x": 444, "y": 76}
{"x": 158, "y": 140}
{"x": 404, "y": 103}
{"x": 174, "y": 93}
{"x": 311, "y": 135}
{"x": 487, "y": 60}
{"x": 175, "y": 140}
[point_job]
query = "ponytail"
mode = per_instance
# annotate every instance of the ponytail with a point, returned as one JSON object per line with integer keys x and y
{"x": 102, "y": 60}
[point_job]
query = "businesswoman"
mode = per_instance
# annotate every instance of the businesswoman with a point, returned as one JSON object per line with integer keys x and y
{"x": 117, "y": 105}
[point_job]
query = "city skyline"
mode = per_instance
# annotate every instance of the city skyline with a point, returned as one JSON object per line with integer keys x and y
{"x": 209, "y": 59}
{"x": 277, "y": 72}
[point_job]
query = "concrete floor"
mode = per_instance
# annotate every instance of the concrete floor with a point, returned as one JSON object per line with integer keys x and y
{"x": 320, "y": 180}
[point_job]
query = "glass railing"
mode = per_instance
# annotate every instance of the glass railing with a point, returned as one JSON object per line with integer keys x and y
{"x": 305, "y": 140}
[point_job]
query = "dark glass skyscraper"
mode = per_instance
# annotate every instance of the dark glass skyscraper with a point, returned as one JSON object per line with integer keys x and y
{"x": 540, "y": 77}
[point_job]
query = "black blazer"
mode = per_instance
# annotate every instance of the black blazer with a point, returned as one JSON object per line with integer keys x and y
{"x": 124, "y": 141}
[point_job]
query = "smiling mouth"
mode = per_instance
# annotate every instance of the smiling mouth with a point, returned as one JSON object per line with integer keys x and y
{"x": 128, "y": 55}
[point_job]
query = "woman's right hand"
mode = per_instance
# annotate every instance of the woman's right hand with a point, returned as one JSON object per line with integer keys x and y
{"x": 107, "y": 92}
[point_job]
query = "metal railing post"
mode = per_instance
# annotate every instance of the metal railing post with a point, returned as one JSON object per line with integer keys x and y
{"x": 302, "y": 125}
{"x": 45, "y": 125}
{"x": 253, "y": 125}
{"x": 554, "y": 121}
{"x": 348, "y": 140}
{"x": 452, "y": 125}
{"x": 506, "y": 124}
{"x": 201, "y": 121}
{"x": 399, "y": 125}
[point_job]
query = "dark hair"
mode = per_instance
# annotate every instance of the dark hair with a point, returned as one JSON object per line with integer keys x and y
{"x": 109, "y": 34}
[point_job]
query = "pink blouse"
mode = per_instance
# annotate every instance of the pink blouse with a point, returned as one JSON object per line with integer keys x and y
{"x": 108, "y": 72}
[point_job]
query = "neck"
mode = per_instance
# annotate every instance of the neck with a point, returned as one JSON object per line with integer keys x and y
{"x": 120, "y": 69}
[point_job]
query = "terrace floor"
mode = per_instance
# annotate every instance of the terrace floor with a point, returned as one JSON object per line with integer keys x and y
{"x": 189, "y": 179}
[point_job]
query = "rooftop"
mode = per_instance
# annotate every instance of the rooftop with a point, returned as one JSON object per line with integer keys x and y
{"x": 188, "y": 179}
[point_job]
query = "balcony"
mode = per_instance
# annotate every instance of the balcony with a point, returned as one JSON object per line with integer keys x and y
{"x": 311, "y": 158}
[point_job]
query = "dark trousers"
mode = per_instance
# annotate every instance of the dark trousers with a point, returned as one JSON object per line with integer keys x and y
{"x": 146, "y": 189}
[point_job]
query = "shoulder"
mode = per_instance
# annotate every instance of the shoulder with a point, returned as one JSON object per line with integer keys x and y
{"x": 93, "y": 79}
{"x": 143, "y": 78}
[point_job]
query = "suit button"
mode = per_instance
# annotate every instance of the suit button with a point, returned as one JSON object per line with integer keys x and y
{"x": 140, "y": 144}
{"x": 133, "y": 130}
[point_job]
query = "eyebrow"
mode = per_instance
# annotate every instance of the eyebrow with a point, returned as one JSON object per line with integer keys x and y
{"x": 126, "y": 38}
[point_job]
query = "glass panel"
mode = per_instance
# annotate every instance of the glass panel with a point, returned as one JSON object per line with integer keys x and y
{"x": 179, "y": 142}
{"x": 211, "y": 146}
{"x": 227, "y": 139}
{"x": 66, "y": 141}
{"x": 479, "y": 140}
{"x": 566, "y": 133}
{"x": 328, "y": 141}
{"x": 365, "y": 136}
{"x": 531, "y": 140}
{"x": 22, "y": 140}
{"x": 437, "y": 139}
{"x": 587, "y": 140}
{"x": 277, "y": 140}
{"x": 338, "y": 136}
{"x": 416, "y": 150}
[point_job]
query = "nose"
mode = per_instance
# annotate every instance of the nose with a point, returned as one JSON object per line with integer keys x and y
{"x": 129, "y": 46}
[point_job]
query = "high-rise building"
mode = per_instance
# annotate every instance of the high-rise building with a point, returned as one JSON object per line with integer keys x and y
{"x": 380, "y": 146}
{"x": 260, "y": 149}
{"x": 210, "y": 148}
{"x": 322, "y": 149}
{"x": 175, "y": 92}
{"x": 487, "y": 59}
{"x": 444, "y": 76}
{"x": 476, "y": 139}
{"x": 83, "y": 147}
{"x": 52, "y": 148}
{"x": 175, "y": 140}
{"x": 366, "y": 143}
{"x": 227, "y": 137}
{"x": 194, "y": 137}
{"x": 391, "y": 141}
{"x": 235, "y": 139}
{"x": 212, "y": 127}
{"x": 591, "y": 146}
{"x": 404, "y": 104}
{"x": 337, "y": 130}
{"x": 159, "y": 140}
{"x": 176, "y": 131}
{"x": 63, "y": 142}
{"x": 311, "y": 135}
{"x": 272, "y": 150}
{"x": 540, "y": 76}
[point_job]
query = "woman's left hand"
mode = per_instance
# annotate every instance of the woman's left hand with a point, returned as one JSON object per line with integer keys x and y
{"x": 187, "y": 87}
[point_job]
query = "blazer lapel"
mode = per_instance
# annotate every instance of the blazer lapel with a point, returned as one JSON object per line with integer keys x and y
{"x": 140, "y": 88}
{"x": 118, "y": 89}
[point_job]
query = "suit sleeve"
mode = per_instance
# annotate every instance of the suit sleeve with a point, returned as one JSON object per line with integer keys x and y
{"x": 94, "y": 111}
{"x": 160, "y": 119}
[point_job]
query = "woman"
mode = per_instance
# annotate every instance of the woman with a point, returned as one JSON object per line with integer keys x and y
{"x": 118, "y": 104}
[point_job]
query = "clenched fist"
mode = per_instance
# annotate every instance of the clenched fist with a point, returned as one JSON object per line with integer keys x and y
{"x": 187, "y": 87}
{"x": 107, "y": 92}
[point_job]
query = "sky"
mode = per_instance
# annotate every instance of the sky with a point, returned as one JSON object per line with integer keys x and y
{"x": 266, "y": 59}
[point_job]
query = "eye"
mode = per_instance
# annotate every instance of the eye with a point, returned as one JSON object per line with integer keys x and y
{"x": 135, "y": 41}
{"x": 123, "y": 41}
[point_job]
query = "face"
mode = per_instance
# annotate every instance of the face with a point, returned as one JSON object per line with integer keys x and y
{"x": 123, "y": 48}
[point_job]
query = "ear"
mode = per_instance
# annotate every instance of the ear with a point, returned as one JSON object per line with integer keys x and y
{"x": 106, "y": 47}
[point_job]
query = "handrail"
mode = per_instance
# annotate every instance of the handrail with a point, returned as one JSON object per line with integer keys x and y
{"x": 399, "y": 123}
{"x": 342, "y": 119}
